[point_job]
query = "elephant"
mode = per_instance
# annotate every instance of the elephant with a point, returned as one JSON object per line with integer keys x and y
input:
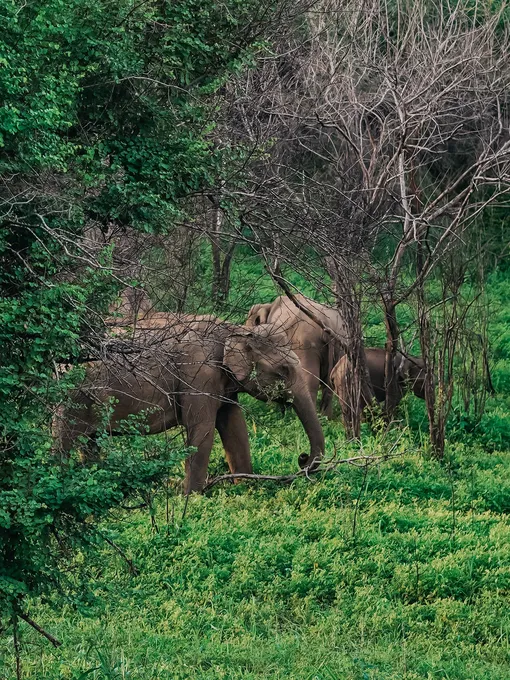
{"x": 410, "y": 371}
{"x": 157, "y": 321}
{"x": 316, "y": 349}
{"x": 192, "y": 377}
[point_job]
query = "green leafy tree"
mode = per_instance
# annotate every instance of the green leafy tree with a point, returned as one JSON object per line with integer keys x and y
{"x": 105, "y": 122}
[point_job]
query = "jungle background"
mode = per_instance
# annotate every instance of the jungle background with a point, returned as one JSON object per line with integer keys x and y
{"x": 203, "y": 157}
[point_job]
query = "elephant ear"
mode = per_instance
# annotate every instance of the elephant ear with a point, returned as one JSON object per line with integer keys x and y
{"x": 258, "y": 314}
{"x": 238, "y": 356}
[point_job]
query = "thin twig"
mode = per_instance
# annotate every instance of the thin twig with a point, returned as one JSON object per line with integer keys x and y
{"x": 40, "y": 630}
{"x": 17, "y": 650}
{"x": 132, "y": 568}
{"x": 186, "y": 506}
{"x": 356, "y": 507}
{"x": 280, "y": 281}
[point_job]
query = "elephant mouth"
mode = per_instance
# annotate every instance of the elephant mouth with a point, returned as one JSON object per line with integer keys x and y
{"x": 277, "y": 392}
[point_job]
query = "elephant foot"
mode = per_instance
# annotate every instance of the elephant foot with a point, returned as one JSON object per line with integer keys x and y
{"x": 303, "y": 462}
{"x": 326, "y": 409}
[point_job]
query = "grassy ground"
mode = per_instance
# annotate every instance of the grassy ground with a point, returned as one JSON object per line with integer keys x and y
{"x": 401, "y": 571}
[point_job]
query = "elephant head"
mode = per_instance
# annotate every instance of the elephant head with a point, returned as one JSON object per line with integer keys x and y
{"x": 263, "y": 365}
{"x": 411, "y": 370}
{"x": 258, "y": 314}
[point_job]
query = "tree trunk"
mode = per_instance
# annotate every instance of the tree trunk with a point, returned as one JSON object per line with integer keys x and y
{"x": 391, "y": 378}
{"x": 436, "y": 424}
{"x": 358, "y": 386}
{"x": 221, "y": 269}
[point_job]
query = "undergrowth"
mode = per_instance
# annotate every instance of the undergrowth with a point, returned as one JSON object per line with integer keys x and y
{"x": 398, "y": 571}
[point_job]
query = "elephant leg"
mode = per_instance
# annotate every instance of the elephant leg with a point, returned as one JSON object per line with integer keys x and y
{"x": 329, "y": 359}
{"x": 200, "y": 437}
{"x": 199, "y": 419}
{"x": 231, "y": 425}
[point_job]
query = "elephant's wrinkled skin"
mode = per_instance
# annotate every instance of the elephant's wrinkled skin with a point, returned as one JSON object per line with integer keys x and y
{"x": 190, "y": 375}
{"x": 316, "y": 349}
{"x": 410, "y": 372}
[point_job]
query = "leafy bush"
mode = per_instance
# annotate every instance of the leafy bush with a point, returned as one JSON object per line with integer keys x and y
{"x": 257, "y": 582}
{"x": 105, "y": 120}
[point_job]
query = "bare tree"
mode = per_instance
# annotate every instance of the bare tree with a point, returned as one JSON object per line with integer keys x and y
{"x": 390, "y": 123}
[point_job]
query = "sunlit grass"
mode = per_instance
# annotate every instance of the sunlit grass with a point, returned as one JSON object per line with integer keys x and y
{"x": 400, "y": 573}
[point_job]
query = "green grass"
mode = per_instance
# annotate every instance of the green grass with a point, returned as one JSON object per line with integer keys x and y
{"x": 402, "y": 573}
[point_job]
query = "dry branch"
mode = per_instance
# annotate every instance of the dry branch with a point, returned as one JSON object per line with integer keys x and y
{"x": 286, "y": 287}
{"x": 392, "y": 128}
{"x": 357, "y": 461}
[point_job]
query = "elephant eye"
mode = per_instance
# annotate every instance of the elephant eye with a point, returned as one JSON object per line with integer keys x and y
{"x": 282, "y": 371}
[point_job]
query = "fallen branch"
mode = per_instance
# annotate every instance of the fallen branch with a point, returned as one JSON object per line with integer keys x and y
{"x": 132, "y": 568}
{"x": 37, "y": 627}
{"x": 358, "y": 461}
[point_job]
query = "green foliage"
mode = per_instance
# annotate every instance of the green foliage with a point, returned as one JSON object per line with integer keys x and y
{"x": 105, "y": 120}
{"x": 268, "y": 581}
{"x": 264, "y": 581}
{"x": 114, "y": 97}
{"x": 48, "y": 510}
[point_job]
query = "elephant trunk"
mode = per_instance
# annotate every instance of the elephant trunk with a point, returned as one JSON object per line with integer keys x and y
{"x": 305, "y": 410}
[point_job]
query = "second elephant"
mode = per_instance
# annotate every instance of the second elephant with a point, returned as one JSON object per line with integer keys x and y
{"x": 317, "y": 350}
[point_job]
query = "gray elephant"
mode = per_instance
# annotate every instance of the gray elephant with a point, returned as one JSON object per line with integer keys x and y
{"x": 161, "y": 321}
{"x": 190, "y": 375}
{"x": 316, "y": 349}
{"x": 409, "y": 370}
